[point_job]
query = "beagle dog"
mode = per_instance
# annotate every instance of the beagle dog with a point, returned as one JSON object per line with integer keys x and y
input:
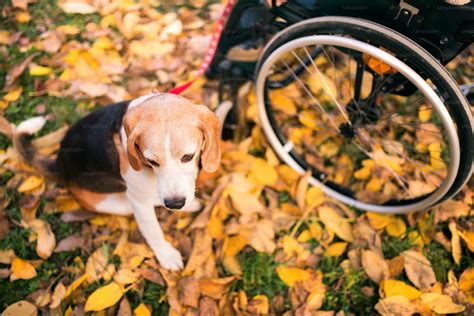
{"x": 129, "y": 157}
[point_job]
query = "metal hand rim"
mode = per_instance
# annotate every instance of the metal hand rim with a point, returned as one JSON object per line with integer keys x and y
{"x": 405, "y": 70}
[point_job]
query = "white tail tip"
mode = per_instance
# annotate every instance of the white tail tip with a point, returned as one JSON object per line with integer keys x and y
{"x": 31, "y": 126}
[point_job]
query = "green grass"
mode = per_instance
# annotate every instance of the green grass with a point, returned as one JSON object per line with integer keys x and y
{"x": 259, "y": 275}
{"x": 343, "y": 291}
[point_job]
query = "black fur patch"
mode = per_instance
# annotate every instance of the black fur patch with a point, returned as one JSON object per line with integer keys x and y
{"x": 88, "y": 157}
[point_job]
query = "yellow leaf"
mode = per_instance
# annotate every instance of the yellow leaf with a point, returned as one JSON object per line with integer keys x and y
{"x": 13, "y": 95}
{"x": 441, "y": 304}
{"x": 316, "y": 231}
{"x": 290, "y": 276}
{"x": 74, "y": 285}
{"x": 215, "y": 227}
{"x": 378, "y": 221}
{"x": 291, "y": 246}
{"x": 396, "y": 227}
{"x": 6, "y": 256}
{"x": 301, "y": 189}
{"x": 22, "y": 270}
{"x": 304, "y": 236}
{"x": 68, "y": 311}
{"x": 374, "y": 185}
{"x": 399, "y": 288}
{"x": 314, "y": 196}
{"x": 363, "y": 173}
{"x": 336, "y": 249}
{"x": 232, "y": 265}
{"x": 338, "y": 224}
{"x": 424, "y": 113}
{"x": 141, "y": 310}
{"x": 214, "y": 287}
{"x": 259, "y": 305}
{"x": 21, "y": 308}
{"x": 466, "y": 284}
{"x": 233, "y": 245}
{"x": 468, "y": 238}
{"x": 4, "y": 37}
{"x": 308, "y": 119}
{"x": 104, "y": 297}
{"x": 30, "y": 184}
{"x": 264, "y": 172}
{"x": 22, "y": 17}
{"x": 37, "y": 70}
{"x": 282, "y": 102}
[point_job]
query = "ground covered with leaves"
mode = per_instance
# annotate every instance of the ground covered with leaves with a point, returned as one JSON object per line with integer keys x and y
{"x": 265, "y": 243}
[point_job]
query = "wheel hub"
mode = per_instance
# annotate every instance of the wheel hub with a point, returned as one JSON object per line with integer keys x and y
{"x": 363, "y": 112}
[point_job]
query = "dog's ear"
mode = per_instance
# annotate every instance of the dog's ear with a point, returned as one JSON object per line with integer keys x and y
{"x": 132, "y": 130}
{"x": 211, "y": 152}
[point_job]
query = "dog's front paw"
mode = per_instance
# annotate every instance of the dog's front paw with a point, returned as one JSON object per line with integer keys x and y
{"x": 169, "y": 257}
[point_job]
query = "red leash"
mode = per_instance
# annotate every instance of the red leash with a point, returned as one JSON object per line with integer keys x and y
{"x": 211, "y": 49}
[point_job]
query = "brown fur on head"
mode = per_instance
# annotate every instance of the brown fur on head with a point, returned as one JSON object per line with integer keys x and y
{"x": 146, "y": 126}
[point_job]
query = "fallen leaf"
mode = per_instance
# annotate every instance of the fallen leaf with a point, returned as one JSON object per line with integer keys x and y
{"x": 399, "y": 288}
{"x": 21, "y": 308}
{"x": 126, "y": 276}
{"x": 468, "y": 238}
{"x": 395, "y": 305}
{"x": 455, "y": 242}
{"x": 215, "y": 287}
{"x": 6, "y": 256}
{"x": 74, "y": 285}
{"x": 21, "y": 269}
{"x": 466, "y": 284}
{"x": 290, "y": 276}
{"x": 58, "y": 295}
{"x": 379, "y": 221}
{"x": 46, "y": 241}
{"x": 262, "y": 237}
{"x": 13, "y": 95}
{"x": 71, "y": 242}
{"x": 259, "y": 305}
{"x": 104, "y": 297}
{"x": 396, "y": 227}
{"x": 124, "y": 308}
{"x": 375, "y": 266}
{"x": 31, "y": 183}
{"x": 189, "y": 291}
{"x": 338, "y": 224}
{"x": 141, "y": 310}
{"x": 17, "y": 70}
{"x": 96, "y": 264}
{"x": 418, "y": 269}
{"x": 441, "y": 304}
{"x": 335, "y": 249}
{"x": 37, "y": 70}
{"x": 76, "y": 6}
{"x": 22, "y": 4}
{"x": 264, "y": 172}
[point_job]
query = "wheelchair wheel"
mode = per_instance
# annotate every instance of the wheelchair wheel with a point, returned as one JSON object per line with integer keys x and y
{"x": 377, "y": 120}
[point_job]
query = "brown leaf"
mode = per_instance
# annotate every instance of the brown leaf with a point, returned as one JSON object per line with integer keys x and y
{"x": 124, "y": 308}
{"x": 455, "y": 243}
{"x": 418, "y": 269}
{"x": 375, "y": 266}
{"x": 22, "y": 4}
{"x": 152, "y": 276}
{"x": 4, "y": 273}
{"x": 96, "y": 265}
{"x": 23, "y": 308}
{"x": 189, "y": 292}
{"x": 395, "y": 305}
{"x": 202, "y": 249}
{"x": 58, "y": 295}
{"x": 207, "y": 307}
{"x": 5, "y": 127}
{"x": 46, "y": 240}
{"x": 17, "y": 70}
{"x": 71, "y": 242}
{"x": 262, "y": 238}
{"x": 215, "y": 288}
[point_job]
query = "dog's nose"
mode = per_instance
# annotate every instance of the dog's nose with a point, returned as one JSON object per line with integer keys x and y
{"x": 175, "y": 203}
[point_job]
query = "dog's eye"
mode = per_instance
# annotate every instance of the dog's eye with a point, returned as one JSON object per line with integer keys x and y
{"x": 153, "y": 163}
{"x": 187, "y": 158}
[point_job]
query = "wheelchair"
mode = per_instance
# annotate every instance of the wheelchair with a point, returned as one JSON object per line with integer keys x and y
{"x": 356, "y": 93}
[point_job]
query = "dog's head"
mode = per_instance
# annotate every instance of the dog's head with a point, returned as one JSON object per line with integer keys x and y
{"x": 173, "y": 137}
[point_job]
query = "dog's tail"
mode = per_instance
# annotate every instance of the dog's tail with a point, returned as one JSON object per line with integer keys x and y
{"x": 22, "y": 143}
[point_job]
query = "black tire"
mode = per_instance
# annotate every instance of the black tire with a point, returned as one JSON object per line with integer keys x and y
{"x": 411, "y": 54}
